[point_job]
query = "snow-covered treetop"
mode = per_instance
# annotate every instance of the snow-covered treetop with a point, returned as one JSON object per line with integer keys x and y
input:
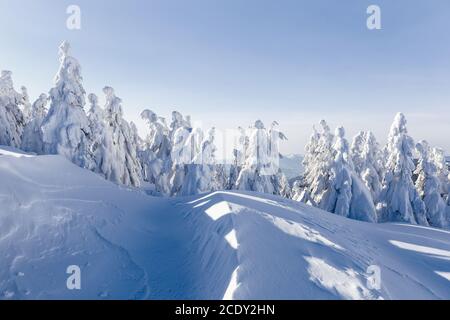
{"x": 25, "y": 102}
{"x": 113, "y": 103}
{"x": 358, "y": 142}
{"x": 6, "y": 82}
{"x": 399, "y": 125}
{"x": 39, "y": 109}
{"x": 24, "y": 91}
{"x": 178, "y": 121}
{"x": 149, "y": 116}
{"x": 342, "y": 147}
{"x": 326, "y": 137}
{"x": 422, "y": 147}
{"x": 259, "y": 124}
{"x": 325, "y": 126}
{"x": 93, "y": 99}
{"x": 68, "y": 80}
{"x": 96, "y": 113}
{"x": 7, "y": 86}
{"x": 400, "y": 146}
{"x": 64, "y": 48}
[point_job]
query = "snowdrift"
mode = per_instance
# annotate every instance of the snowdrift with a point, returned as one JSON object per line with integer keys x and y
{"x": 223, "y": 245}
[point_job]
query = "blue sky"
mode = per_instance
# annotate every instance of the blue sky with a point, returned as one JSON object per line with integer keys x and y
{"x": 230, "y": 62}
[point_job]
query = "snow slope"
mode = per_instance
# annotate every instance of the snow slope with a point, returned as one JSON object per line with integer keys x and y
{"x": 221, "y": 245}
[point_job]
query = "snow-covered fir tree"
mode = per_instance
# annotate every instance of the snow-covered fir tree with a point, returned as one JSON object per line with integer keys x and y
{"x": 66, "y": 127}
{"x": 181, "y": 152}
{"x": 428, "y": 185}
{"x": 347, "y": 195}
{"x": 284, "y": 188}
{"x": 12, "y": 120}
{"x": 123, "y": 165}
{"x": 239, "y": 155}
{"x": 301, "y": 190}
{"x": 201, "y": 175}
{"x": 279, "y": 180}
{"x": 25, "y": 104}
{"x": 399, "y": 199}
{"x": 100, "y": 135}
{"x": 260, "y": 171}
{"x": 297, "y": 190}
{"x": 443, "y": 174}
{"x": 178, "y": 121}
{"x": 155, "y": 156}
{"x": 32, "y": 134}
{"x": 357, "y": 151}
{"x": 372, "y": 169}
{"x": 137, "y": 140}
{"x": 320, "y": 157}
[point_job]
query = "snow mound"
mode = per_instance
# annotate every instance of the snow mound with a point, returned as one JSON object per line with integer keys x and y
{"x": 13, "y": 152}
{"x": 222, "y": 245}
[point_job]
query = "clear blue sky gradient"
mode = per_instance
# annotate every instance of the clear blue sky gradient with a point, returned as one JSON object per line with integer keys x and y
{"x": 229, "y": 62}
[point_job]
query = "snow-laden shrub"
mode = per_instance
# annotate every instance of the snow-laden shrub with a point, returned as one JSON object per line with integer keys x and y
{"x": 120, "y": 162}
{"x": 399, "y": 199}
{"x": 32, "y": 134}
{"x": 66, "y": 127}
{"x": 429, "y": 187}
{"x": 12, "y": 120}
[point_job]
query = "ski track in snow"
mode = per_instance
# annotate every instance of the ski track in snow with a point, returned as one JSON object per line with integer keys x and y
{"x": 222, "y": 245}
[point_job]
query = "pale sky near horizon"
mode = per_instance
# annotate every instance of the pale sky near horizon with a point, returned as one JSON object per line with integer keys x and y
{"x": 228, "y": 63}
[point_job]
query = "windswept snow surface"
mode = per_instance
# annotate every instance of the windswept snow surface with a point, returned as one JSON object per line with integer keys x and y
{"x": 223, "y": 245}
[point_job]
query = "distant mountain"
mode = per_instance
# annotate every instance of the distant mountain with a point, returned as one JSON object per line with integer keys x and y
{"x": 291, "y": 165}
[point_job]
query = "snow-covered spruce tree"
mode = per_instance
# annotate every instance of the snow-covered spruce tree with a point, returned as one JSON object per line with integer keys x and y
{"x": 178, "y": 121}
{"x": 297, "y": 191}
{"x": 372, "y": 169}
{"x": 32, "y": 134}
{"x": 284, "y": 188}
{"x": 65, "y": 130}
{"x": 260, "y": 171}
{"x": 181, "y": 151}
{"x": 25, "y": 104}
{"x": 428, "y": 186}
{"x": 123, "y": 166}
{"x": 356, "y": 152}
{"x": 137, "y": 140}
{"x": 317, "y": 180}
{"x": 11, "y": 118}
{"x": 239, "y": 155}
{"x": 155, "y": 156}
{"x": 101, "y": 136}
{"x": 347, "y": 195}
{"x": 443, "y": 174}
{"x": 201, "y": 175}
{"x": 278, "y": 178}
{"x": 301, "y": 190}
{"x": 399, "y": 199}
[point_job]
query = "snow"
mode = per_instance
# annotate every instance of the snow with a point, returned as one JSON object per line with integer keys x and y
{"x": 221, "y": 245}
{"x": 346, "y": 283}
{"x": 422, "y": 249}
{"x": 218, "y": 210}
{"x": 232, "y": 287}
{"x": 65, "y": 129}
{"x": 232, "y": 239}
{"x": 445, "y": 275}
{"x": 13, "y": 152}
